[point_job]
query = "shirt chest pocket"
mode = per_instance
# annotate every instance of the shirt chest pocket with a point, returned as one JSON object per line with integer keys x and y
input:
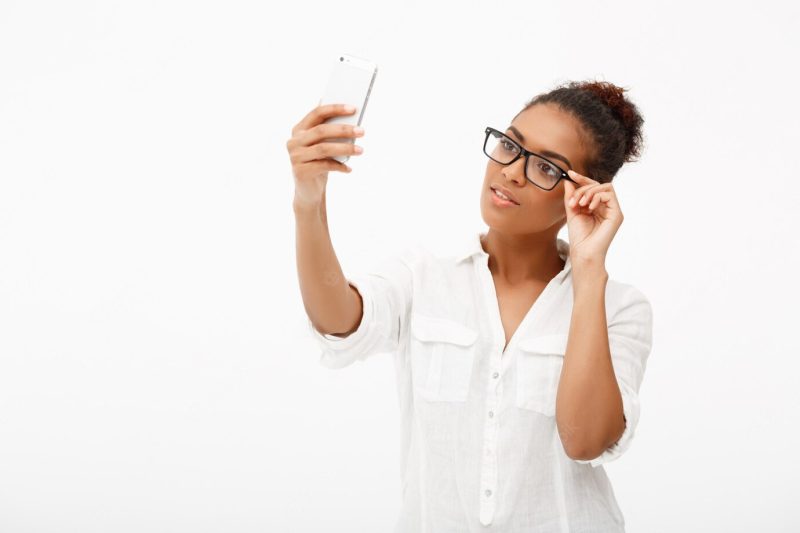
{"x": 442, "y": 356}
{"x": 539, "y": 362}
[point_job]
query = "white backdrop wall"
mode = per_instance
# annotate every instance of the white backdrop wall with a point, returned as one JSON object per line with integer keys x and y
{"x": 155, "y": 369}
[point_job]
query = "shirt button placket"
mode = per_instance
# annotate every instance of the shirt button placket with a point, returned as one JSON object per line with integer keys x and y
{"x": 489, "y": 463}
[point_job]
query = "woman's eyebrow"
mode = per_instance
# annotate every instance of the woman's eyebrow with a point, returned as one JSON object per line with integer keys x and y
{"x": 548, "y": 153}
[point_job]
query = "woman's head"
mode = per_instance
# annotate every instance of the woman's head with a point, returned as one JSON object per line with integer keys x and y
{"x": 591, "y": 127}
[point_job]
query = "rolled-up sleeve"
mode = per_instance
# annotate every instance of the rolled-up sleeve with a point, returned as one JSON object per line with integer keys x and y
{"x": 386, "y": 292}
{"x": 630, "y": 339}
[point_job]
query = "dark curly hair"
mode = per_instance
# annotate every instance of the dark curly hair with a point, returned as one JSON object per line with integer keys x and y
{"x": 612, "y": 123}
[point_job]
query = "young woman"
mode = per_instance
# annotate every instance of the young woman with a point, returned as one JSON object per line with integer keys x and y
{"x": 518, "y": 361}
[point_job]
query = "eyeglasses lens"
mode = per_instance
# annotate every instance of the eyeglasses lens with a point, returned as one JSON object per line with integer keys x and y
{"x": 503, "y": 150}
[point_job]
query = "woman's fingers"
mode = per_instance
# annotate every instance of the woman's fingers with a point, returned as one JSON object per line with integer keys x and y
{"x": 311, "y": 160}
{"x": 600, "y": 196}
{"x": 595, "y": 201}
{"x": 581, "y": 195}
{"x": 580, "y": 178}
{"x": 307, "y": 136}
{"x": 327, "y": 131}
{"x": 593, "y": 195}
{"x": 329, "y": 149}
{"x": 587, "y": 194}
{"x": 319, "y": 114}
{"x": 581, "y": 183}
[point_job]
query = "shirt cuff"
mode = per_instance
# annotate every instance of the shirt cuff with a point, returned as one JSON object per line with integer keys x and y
{"x": 338, "y": 352}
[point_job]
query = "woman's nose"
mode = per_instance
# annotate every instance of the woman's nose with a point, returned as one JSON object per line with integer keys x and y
{"x": 515, "y": 170}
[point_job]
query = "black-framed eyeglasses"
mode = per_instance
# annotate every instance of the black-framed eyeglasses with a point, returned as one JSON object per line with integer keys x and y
{"x": 539, "y": 170}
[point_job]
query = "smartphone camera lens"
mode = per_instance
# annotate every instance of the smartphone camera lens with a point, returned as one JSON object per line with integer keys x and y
{"x": 341, "y": 59}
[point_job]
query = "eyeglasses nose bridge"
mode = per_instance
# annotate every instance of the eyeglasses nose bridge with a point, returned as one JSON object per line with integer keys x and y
{"x": 522, "y": 153}
{"x": 524, "y": 157}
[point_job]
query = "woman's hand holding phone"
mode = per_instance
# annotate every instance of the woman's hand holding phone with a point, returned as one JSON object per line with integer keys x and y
{"x": 311, "y": 157}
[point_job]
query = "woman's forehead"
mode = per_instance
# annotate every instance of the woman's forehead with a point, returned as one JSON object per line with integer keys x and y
{"x": 546, "y": 128}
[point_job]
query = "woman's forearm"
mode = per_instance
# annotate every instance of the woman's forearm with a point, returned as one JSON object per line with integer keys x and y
{"x": 332, "y": 305}
{"x": 589, "y": 411}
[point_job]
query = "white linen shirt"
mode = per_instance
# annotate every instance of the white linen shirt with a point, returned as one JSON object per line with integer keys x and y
{"x": 479, "y": 443}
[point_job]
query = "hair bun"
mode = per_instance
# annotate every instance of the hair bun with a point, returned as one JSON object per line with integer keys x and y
{"x": 623, "y": 109}
{"x": 609, "y": 124}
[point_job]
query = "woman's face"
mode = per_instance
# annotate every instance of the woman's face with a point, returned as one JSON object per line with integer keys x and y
{"x": 540, "y": 128}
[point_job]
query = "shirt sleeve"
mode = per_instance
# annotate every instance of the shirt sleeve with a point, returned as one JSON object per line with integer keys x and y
{"x": 630, "y": 338}
{"x": 386, "y": 298}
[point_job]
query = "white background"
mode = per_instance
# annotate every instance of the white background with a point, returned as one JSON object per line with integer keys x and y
{"x": 156, "y": 373}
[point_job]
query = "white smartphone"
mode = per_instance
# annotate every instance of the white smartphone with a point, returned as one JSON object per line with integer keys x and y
{"x": 350, "y": 82}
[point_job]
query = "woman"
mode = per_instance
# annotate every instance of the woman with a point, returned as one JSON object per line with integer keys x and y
{"x": 518, "y": 361}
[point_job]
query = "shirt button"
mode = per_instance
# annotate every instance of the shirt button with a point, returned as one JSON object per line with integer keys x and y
{"x": 488, "y": 492}
{"x": 491, "y": 414}
{"x": 495, "y": 375}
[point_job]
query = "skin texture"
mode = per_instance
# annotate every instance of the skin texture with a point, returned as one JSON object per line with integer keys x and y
{"x": 523, "y": 258}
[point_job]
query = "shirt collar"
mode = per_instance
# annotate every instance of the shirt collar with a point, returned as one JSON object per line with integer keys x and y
{"x": 472, "y": 247}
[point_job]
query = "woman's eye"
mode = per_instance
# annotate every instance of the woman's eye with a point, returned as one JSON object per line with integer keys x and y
{"x": 548, "y": 169}
{"x": 508, "y": 146}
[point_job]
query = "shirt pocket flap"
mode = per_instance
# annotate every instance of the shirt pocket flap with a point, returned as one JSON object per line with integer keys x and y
{"x": 433, "y": 329}
{"x": 555, "y": 344}
{"x": 538, "y": 369}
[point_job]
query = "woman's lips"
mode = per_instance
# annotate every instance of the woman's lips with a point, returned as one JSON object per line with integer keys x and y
{"x": 499, "y": 201}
